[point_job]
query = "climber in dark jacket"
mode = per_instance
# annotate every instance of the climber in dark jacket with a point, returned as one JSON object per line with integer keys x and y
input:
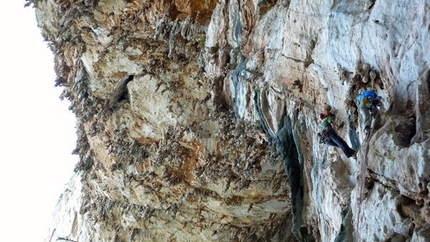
{"x": 368, "y": 103}
{"x": 330, "y": 137}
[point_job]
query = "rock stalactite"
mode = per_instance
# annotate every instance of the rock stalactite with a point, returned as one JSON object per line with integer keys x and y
{"x": 197, "y": 120}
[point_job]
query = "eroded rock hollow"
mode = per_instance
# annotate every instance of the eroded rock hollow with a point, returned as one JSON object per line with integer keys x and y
{"x": 197, "y": 120}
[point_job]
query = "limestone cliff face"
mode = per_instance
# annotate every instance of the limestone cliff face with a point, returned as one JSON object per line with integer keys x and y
{"x": 197, "y": 119}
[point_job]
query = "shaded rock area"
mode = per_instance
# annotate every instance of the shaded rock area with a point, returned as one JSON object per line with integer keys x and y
{"x": 197, "y": 120}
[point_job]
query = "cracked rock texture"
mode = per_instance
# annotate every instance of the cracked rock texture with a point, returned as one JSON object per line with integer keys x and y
{"x": 197, "y": 119}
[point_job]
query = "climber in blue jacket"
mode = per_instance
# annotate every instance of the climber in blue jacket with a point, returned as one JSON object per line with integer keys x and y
{"x": 328, "y": 136}
{"x": 368, "y": 103}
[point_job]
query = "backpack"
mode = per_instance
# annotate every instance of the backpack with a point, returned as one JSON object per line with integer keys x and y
{"x": 369, "y": 94}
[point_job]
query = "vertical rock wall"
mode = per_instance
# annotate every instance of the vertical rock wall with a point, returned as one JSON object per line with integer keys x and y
{"x": 197, "y": 120}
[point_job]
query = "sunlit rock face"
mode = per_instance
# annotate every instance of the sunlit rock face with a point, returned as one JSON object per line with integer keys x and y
{"x": 197, "y": 120}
